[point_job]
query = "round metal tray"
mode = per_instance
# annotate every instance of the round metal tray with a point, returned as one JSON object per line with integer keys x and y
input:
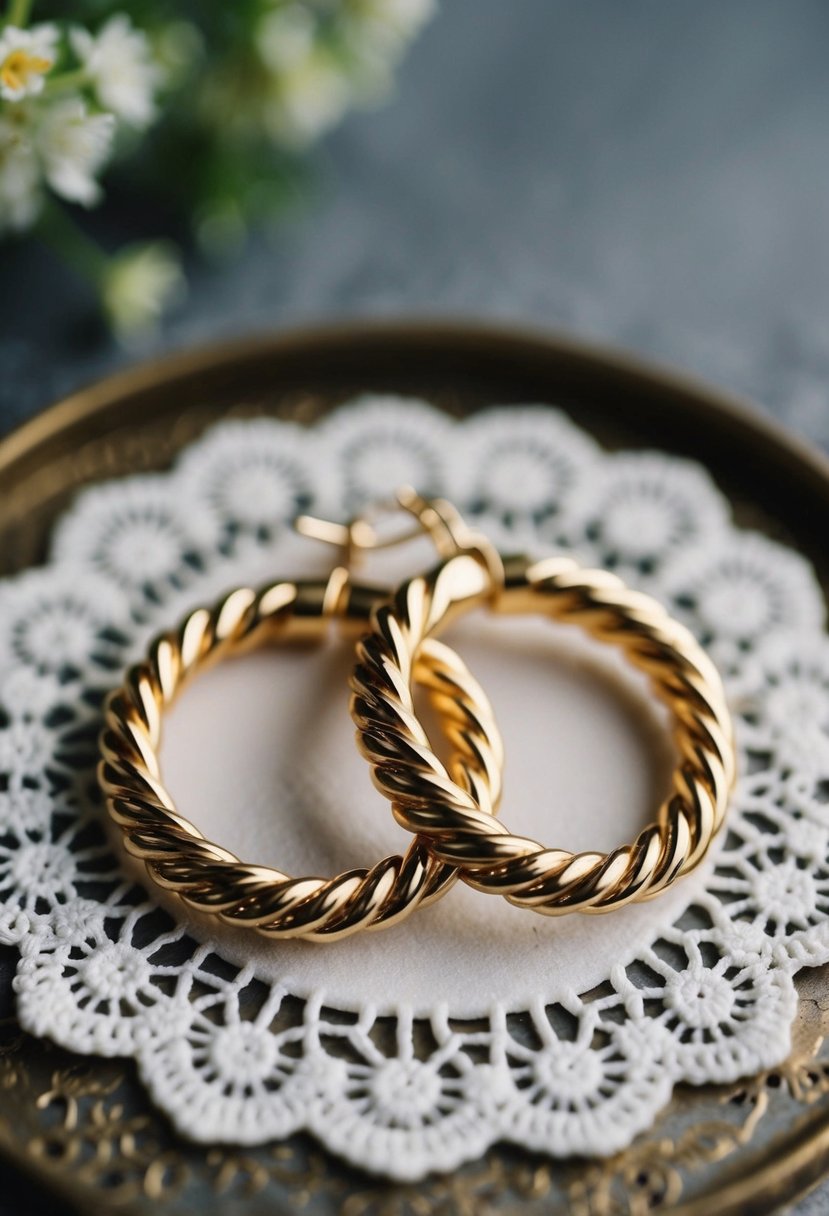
{"x": 82, "y": 1127}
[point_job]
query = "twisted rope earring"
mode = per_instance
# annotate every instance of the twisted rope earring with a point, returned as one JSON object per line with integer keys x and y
{"x": 209, "y": 877}
{"x": 436, "y": 802}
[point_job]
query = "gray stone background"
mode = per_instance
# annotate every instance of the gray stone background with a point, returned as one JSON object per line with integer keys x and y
{"x": 654, "y": 174}
{"x": 648, "y": 173}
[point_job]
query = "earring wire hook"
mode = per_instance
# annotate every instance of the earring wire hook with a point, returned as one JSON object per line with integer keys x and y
{"x": 436, "y": 518}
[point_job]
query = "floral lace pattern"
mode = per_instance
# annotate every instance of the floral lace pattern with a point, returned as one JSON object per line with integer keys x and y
{"x": 231, "y": 1056}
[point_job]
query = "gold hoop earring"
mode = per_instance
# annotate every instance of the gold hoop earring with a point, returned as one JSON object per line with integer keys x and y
{"x": 208, "y": 877}
{"x": 433, "y": 801}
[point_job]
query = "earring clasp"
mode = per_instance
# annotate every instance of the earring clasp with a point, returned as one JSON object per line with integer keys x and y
{"x": 436, "y": 518}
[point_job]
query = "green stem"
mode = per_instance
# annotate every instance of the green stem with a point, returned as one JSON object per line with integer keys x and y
{"x": 19, "y": 12}
{"x": 57, "y": 229}
{"x": 75, "y": 79}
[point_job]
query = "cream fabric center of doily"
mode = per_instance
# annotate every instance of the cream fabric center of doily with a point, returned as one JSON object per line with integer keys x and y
{"x": 259, "y": 753}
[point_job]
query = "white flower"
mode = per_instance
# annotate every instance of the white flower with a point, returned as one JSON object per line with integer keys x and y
{"x": 310, "y": 85}
{"x": 25, "y": 58}
{"x": 398, "y": 18}
{"x": 141, "y": 282}
{"x": 73, "y": 146}
{"x": 376, "y": 33}
{"x": 285, "y": 37}
{"x": 120, "y": 66}
{"x": 311, "y": 98}
{"x": 20, "y": 193}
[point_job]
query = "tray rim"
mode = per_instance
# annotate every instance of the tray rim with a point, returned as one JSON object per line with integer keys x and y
{"x": 95, "y": 397}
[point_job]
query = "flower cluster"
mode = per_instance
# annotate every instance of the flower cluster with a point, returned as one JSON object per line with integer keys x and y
{"x": 235, "y": 94}
{"x": 289, "y": 72}
{"x": 65, "y": 97}
{"x": 58, "y": 126}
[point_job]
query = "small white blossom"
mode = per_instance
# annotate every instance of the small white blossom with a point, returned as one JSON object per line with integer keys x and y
{"x": 25, "y": 58}
{"x": 20, "y": 181}
{"x": 310, "y": 98}
{"x": 401, "y": 18}
{"x": 285, "y": 37}
{"x": 74, "y": 145}
{"x": 376, "y": 33}
{"x": 141, "y": 282}
{"x": 120, "y": 66}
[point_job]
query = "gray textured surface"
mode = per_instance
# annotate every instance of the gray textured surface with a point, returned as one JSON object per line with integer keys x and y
{"x": 652, "y": 174}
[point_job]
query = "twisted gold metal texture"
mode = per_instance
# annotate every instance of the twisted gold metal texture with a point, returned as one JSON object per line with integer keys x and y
{"x": 431, "y": 799}
{"x": 209, "y": 877}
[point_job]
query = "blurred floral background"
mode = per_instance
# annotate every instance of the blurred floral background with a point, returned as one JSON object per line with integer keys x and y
{"x": 206, "y": 110}
{"x": 652, "y": 175}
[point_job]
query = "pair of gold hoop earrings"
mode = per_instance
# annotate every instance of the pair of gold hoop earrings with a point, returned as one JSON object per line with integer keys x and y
{"x": 450, "y": 808}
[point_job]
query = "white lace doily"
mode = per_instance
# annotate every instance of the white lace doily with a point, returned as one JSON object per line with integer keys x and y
{"x": 413, "y": 1049}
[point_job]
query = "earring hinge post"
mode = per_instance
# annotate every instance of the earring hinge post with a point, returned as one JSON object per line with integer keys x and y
{"x": 436, "y": 518}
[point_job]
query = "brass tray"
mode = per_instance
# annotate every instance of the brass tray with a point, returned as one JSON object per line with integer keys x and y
{"x": 81, "y": 1128}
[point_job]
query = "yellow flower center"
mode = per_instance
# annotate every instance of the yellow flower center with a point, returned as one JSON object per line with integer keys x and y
{"x": 19, "y": 66}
